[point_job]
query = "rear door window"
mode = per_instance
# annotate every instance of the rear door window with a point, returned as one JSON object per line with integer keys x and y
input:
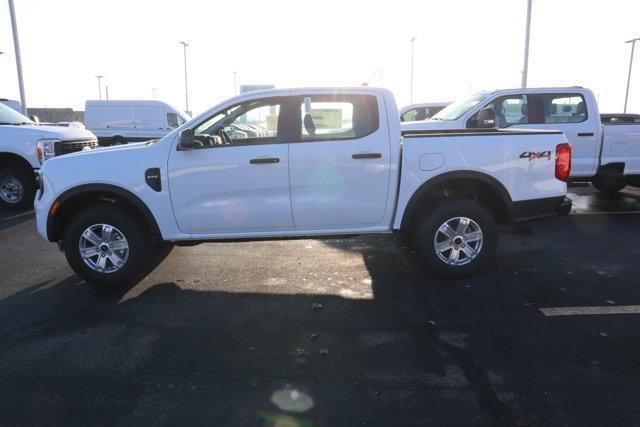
{"x": 327, "y": 118}
{"x": 563, "y": 107}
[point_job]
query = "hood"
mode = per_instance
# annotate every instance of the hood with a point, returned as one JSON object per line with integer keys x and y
{"x": 62, "y": 133}
{"x": 104, "y": 150}
{"x": 424, "y": 125}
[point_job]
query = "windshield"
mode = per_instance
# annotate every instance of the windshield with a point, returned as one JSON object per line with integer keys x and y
{"x": 458, "y": 108}
{"x": 9, "y": 116}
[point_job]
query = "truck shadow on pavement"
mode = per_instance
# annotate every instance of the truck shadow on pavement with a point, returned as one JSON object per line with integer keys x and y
{"x": 73, "y": 353}
{"x": 416, "y": 351}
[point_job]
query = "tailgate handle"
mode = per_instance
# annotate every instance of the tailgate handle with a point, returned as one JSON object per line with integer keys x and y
{"x": 585, "y": 134}
{"x": 264, "y": 160}
{"x": 367, "y": 156}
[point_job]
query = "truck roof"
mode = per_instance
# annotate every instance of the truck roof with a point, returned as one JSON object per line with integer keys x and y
{"x": 520, "y": 89}
{"x": 327, "y": 89}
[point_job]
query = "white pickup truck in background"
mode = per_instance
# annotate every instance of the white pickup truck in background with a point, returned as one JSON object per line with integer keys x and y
{"x": 325, "y": 162}
{"x": 605, "y": 152}
{"x": 422, "y": 111}
{"x": 24, "y": 147}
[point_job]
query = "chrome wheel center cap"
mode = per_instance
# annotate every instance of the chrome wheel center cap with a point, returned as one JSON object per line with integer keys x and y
{"x": 104, "y": 248}
{"x": 458, "y": 241}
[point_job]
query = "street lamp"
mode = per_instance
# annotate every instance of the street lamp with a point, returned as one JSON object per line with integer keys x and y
{"x": 16, "y": 46}
{"x": 186, "y": 88}
{"x": 99, "y": 86}
{"x": 153, "y": 91}
{"x": 235, "y": 83}
{"x": 412, "y": 40}
{"x": 633, "y": 46}
{"x": 525, "y": 68}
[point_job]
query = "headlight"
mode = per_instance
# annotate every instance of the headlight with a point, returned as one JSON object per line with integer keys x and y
{"x": 46, "y": 149}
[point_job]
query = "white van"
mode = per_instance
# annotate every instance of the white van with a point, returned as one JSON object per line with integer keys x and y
{"x": 120, "y": 122}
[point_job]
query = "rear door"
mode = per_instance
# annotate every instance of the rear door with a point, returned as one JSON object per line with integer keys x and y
{"x": 339, "y": 166}
{"x": 567, "y": 112}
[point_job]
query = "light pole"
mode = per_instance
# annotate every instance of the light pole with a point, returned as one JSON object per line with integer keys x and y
{"x": 16, "y": 46}
{"x": 99, "y": 86}
{"x": 235, "y": 83}
{"x": 412, "y": 40}
{"x": 153, "y": 91}
{"x": 525, "y": 68}
{"x": 186, "y": 88}
{"x": 633, "y": 47}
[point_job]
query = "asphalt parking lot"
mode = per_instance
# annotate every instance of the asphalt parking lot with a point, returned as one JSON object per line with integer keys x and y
{"x": 333, "y": 332}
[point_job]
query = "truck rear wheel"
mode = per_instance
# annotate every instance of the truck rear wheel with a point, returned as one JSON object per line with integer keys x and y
{"x": 17, "y": 187}
{"x": 457, "y": 238}
{"x": 609, "y": 185}
{"x": 106, "y": 246}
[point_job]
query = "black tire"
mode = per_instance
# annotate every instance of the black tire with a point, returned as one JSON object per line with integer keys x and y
{"x": 140, "y": 249}
{"x": 17, "y": 187}
{"x": 117, "y": 140}
{"x": 448, "y": 210}
{"x": 609, "y": 185}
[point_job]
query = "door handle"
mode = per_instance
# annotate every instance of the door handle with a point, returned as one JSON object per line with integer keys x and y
{"x": 585, "y": 134}
{"x": 366, "y": 156}
{"x": 264, "y": 160}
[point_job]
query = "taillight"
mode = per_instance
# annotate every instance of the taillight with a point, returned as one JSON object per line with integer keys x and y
{"x": 563, "y": 161}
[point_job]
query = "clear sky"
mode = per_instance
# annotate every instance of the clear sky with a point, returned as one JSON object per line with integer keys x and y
{"x": 462, "y": 46}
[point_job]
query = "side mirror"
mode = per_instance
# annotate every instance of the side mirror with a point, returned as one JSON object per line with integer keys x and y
{"x": 186, "y": 140}
{"x": 486, "y": 118}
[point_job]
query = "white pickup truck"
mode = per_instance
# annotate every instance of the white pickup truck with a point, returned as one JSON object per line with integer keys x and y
{"x": 24, "y": 146}
{"x": 326, "y": 162}
{"x": 605, "y": 152}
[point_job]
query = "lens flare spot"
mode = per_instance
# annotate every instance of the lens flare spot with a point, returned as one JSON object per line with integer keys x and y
{"x": 292, "y": 400}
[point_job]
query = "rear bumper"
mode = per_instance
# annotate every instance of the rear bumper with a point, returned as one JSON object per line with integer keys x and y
{"x": 526, "y": 210}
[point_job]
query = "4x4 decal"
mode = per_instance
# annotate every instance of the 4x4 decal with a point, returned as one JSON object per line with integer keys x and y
{"x": 531, "y": 155}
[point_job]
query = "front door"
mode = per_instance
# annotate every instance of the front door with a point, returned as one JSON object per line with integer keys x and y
{"x": 237, "y": 180}
{"x": 339, "y": 165}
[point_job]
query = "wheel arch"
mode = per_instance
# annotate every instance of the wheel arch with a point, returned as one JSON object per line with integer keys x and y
{"x": 479, "y": 186}
{"x": 74, "y": 199}
{"x": 8, "y": 158}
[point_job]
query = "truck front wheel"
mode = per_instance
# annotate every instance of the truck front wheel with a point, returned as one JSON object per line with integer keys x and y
{"x": 456, "y": 238}
{"x": 17, "y": 187}
{"x": 106, "y": 246}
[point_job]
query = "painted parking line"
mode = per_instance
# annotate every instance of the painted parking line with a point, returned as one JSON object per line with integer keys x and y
{"x": 606, "y": 213}
{"x": 8, "y": 218}
{"x": 590, "y": 311}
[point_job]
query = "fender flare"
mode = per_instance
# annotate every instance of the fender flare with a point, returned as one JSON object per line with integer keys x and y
{"x": 142, "y": 208}
{"x": 426, "y": 186}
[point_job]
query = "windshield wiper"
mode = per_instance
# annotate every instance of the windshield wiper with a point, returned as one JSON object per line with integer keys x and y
{"x": 12, "y": 123}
